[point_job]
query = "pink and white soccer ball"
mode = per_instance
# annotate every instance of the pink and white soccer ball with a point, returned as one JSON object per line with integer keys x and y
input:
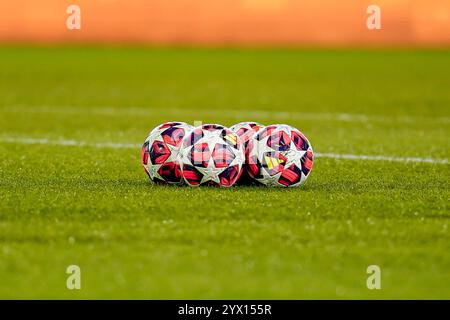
{"x": 279, "y": 155}
{"x": 246, "y": 130}
{"x": 211, "y": 154}
{"x": 160, "y": 152}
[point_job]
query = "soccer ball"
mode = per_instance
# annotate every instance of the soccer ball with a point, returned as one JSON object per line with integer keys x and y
{"x": 211, "y": 154}
{"x": 160, "y": 152}
{"x": 246, "y": 130}
{"x": 279, "y": 155}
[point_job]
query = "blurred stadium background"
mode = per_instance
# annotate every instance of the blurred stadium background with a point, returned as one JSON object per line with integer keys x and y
{"x": 229, "y": 22}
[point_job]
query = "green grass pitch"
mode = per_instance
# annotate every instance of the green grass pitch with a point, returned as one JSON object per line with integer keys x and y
{"x": 69, "y": 197}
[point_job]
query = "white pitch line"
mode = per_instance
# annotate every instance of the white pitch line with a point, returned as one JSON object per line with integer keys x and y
{"x": 380, "y": 158}
{"x": 111, "y": 145}
{"x": 73, "y": 143}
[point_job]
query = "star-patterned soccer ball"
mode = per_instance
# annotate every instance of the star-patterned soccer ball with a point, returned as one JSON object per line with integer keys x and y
{"x": 160, "y": 152}
{"x": 246, "y": 130}
{"x": 211, "y": 154}
{"x": 279, "y": 155}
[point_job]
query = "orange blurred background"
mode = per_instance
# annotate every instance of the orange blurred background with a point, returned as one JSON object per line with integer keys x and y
{"x": 229, "y": 22}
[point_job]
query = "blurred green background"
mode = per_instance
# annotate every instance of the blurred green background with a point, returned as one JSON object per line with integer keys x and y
{"x": 92, "y": 205}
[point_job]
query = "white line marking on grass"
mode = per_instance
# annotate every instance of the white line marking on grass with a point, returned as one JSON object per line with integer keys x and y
{"x": 73, "y": 143}
{"x": 111, "y": 145}
{"x": 380, "y": 158}
{"x": 236, "y": 114}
